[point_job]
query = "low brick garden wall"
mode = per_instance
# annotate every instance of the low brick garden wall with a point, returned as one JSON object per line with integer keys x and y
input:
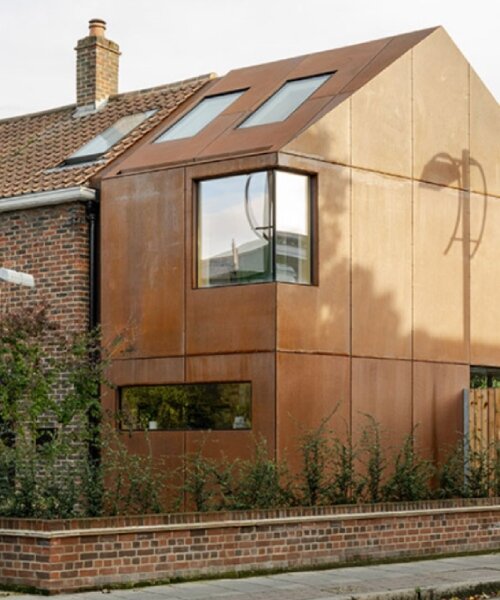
{"x": 61, "y": 556}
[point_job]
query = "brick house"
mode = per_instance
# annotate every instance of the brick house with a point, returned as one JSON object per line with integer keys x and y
{"x": 49, "y": 194}
{"x": 312, "y": 234}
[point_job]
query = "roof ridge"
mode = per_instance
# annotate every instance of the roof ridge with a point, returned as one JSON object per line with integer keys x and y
{"x": 166, "y": 86}
{"x": 38, "y": 113}
{"x": 386, "y": 38}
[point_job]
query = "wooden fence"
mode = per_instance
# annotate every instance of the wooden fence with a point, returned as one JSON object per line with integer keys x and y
{"x": 482, "y": 418}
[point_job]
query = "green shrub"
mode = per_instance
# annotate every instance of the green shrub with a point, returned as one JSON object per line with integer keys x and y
{"x": 201, "y": 478}
{"x": 373, "y": 460}
{"x": 258, "y": 482}
{"x": 131, "y": 483}
{"x": 411, "y": 477}
{"x": 58, "y": 459}
{"x": 315, "y": 453}
{"x": 261, "y": 482}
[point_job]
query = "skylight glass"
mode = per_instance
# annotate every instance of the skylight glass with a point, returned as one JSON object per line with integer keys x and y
{"x": 199, "y": 117}
{"x": 108, "y": 138}
{"x": 287, "y": 99}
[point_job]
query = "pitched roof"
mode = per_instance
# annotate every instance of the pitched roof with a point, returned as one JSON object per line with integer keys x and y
{"x": 33, "y": 146}
{"x": 351, "y": 67}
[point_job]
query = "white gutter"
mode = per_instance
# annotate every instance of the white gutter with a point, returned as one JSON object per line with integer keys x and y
{"x": 51, "y": 198}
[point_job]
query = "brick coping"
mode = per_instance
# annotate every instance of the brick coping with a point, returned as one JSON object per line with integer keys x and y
{"x": 237, "y": 519}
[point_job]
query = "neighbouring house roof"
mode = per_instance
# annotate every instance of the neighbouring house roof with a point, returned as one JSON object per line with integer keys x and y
{"x": 32, "y": 147}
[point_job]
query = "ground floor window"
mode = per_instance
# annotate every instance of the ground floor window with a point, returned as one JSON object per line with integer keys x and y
{"x": 485, "y": 377}
{"x": 190, "y": 406}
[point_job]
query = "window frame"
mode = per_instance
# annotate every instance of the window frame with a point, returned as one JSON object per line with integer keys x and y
{"x": 313, "y": 226}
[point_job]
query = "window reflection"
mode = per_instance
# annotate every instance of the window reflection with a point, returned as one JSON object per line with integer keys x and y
{"x": 293, "y": 241}
{"x": 254, "y": 227}
{"x": 285, "y": 101}
{"x": 216, "y": 406}
{"x": 199, "y": 117}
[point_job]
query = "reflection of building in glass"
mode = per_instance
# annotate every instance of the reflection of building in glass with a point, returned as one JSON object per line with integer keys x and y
{"x": 252, "y": 262}
{"x": 254, "y": 228}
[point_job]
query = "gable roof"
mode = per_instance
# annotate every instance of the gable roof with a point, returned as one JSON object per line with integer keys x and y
{"x": 351, "y": 68}
{"x": 33, "y": 146}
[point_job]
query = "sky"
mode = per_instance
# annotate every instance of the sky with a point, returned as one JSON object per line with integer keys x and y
{"x": 164, "y": 41}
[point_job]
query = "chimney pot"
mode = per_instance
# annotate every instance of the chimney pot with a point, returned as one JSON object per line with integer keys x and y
{"x": 97, "y": 27}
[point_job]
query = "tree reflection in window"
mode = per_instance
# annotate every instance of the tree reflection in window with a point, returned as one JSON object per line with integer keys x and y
{"x": 199, "y": 406}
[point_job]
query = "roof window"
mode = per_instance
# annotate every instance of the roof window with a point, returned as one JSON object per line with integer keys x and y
{"x": 107, "y": 139}
{"x": 199, "y": 117}
{"x": 285, "y": 101}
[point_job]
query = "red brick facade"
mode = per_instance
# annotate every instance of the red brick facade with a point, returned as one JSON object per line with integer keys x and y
{"x": 59, "y": 556}
{"x": 52, "y": 244}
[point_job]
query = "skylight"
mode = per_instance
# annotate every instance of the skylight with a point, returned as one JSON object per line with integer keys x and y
{"x": 199, "y": 117}
{"x": 108, "y": 138}
{"x": 287, "y": 99}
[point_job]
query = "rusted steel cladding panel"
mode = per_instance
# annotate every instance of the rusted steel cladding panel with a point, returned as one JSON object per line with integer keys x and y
{"x": 381, "y": 129}
{"x": 312, "y": 389}
{"x": 142, "y": 258}
{"x": 316, "y": 317}
{"x": 484, "y": 139}
{"x": 485, "y": 273}
{"x": 395, "y": 48}
{"x": 268, "y": 136}
{"x": 153, "y": 371}
{"x": 231, "y": 318}
{"x": 381, "y": 265}
{"x": 440, "y": 111}
{"x": 165, "y": 447}
{"x": 329, "y": 137}
{"x": 441, "y": 280}
{"x": 438, "y": 397}
{"x": 381, "y": 390}
{"x": 256, "y": 368}
{"x": 347, "y": 62}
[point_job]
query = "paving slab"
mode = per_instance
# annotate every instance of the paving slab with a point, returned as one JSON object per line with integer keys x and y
{"x": 395, "y": 581}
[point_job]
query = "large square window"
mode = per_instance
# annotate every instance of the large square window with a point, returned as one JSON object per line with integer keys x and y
{"x": 254, "y": 227}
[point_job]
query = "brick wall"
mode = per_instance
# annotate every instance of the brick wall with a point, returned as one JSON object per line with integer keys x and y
{"x": 50, "y": 243}
{"x": 57, "y": 556}
{"x": 96, "y": 69}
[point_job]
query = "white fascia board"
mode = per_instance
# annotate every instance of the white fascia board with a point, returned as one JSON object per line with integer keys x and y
{"x": 39, "y": 199}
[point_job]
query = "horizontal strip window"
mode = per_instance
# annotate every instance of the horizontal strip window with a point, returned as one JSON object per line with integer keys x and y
{"x": 190, "y": 406}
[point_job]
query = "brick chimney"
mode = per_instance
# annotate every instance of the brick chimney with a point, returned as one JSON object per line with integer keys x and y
{"x": 96, "y": 66}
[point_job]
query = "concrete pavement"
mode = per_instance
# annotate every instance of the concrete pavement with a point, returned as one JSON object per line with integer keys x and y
{"x": 423, "y": 579}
